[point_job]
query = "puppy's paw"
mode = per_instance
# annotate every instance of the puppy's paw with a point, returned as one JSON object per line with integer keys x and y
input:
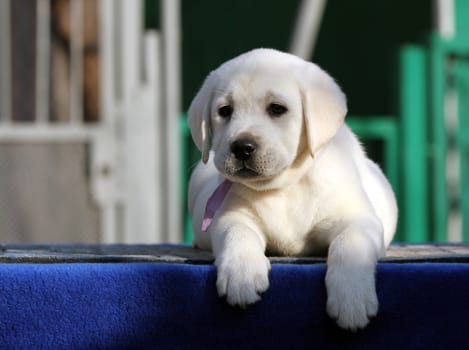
{"x": 351, "y": 298}
{"x": 242, "y": 278}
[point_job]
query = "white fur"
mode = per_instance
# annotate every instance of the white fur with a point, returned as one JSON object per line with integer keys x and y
{"x": 315, "y": 191}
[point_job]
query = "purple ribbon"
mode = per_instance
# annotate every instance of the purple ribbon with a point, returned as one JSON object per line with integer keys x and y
{"x": 214, "y": 203}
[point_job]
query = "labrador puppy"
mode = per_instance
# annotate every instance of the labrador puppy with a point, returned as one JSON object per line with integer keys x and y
{"x": 281, "y": 174}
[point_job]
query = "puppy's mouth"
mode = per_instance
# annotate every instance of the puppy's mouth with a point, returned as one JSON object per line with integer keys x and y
{"x": 246, "y": 173}
{"x": 248, "y": 170}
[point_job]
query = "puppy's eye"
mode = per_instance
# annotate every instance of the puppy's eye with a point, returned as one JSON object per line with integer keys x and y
{"x": 225, "y": 111}
{"x": 276, "y": 110}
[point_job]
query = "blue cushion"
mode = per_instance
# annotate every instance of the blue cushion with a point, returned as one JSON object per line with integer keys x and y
{"x": 160, "y": 305}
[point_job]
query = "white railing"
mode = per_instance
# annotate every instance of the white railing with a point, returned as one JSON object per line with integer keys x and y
{"x": 135, "y": 144}
{"x": 5, "y": 62}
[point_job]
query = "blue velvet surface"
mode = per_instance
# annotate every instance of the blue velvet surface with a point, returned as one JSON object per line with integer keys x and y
{"x": 175, "y": 306}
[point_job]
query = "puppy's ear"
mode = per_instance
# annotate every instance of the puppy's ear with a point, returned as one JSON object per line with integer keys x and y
{"x": 199, "y": 117}
{"x": 324, "y": 106}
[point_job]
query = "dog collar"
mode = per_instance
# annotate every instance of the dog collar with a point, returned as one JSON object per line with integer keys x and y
{"x": 214, "y": 203}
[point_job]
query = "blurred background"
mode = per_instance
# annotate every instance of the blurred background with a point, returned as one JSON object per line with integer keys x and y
{"x": 94, "y": 145}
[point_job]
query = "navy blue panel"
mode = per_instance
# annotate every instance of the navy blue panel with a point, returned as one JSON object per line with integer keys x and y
{"x": 175, "y": 306}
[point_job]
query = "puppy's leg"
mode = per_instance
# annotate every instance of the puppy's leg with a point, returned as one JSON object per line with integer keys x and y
{"x": 242, "y": 267}
{"x": 350, "y": 277}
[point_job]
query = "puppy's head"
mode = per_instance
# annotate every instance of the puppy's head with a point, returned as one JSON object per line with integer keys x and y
{"x": 260, "y": 111}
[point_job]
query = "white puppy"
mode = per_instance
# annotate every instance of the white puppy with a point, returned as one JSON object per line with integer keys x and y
{"x": 290, "y": 178}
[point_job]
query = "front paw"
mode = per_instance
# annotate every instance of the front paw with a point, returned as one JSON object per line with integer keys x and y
{"x": 351, "y": 298}
{"x": 242, "y": 278}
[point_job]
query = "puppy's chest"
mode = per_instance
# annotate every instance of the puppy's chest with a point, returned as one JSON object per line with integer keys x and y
{"x": 286, "y": 220}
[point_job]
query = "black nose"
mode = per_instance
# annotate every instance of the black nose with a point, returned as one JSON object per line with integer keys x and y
{"x": 243, "y": 148}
